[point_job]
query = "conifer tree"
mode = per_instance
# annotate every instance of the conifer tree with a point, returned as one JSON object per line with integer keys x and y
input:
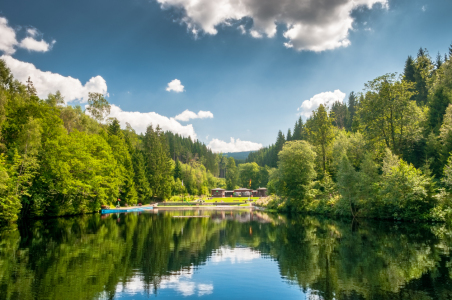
{"x": 280, "y": 140}
{"x": 408, "y": 72}
{"x": 158, "y": 163}
{"x": 439, "y": 61}
{"x": 122, "y": 155}
{"x": 177, "y": 170}
{"x": 423, "y": 68}
{"x": 141, "y": 182}
{"x": 351, "y": 110}
{"x": 321, "y": 132}
{"x": 289, "y": 135}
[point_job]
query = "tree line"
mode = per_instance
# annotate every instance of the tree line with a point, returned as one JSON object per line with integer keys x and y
{"x": 384, "y": 154}
{"x": 57, "y": 159}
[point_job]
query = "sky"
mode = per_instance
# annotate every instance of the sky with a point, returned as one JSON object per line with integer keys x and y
{"x": 229, "y": 73}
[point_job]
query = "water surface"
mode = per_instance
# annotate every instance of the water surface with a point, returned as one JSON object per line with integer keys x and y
{"x": 226, "y": 255}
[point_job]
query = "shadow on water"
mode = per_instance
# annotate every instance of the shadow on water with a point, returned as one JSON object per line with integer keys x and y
{"x": 88, "y": 257}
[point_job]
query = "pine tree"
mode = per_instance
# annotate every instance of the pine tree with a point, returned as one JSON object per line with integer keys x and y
{"x": 141, "y": 182}
{"x": 289, "y": 135}
{"x": 298, "y": 131}
{"x": 408, "y": 72}
{"x": 177, "y": 170}
{"x": 439, "y": 61}
{"x": 158, "y": 162}
{"x": 423, "y": 68}
{"x": 321, "y": 132}
{"x": 351, "y": 110}
{"x": 280, "y": 140}
{"x": 121, "y": 152}
{"x": 450, "y": 50}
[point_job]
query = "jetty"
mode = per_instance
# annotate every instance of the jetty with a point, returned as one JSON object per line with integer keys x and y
{"x": 126, "y": 209}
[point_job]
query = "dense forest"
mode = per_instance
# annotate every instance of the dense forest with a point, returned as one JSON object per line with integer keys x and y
{"x": 57, "y": 159}
{"x": 384, "y": 154}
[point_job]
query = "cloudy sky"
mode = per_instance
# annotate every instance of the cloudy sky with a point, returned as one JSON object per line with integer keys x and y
{"x": 230, "y": 73}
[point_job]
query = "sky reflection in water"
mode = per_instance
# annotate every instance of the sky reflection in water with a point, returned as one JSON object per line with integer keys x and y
{"x": 226, "y": 255}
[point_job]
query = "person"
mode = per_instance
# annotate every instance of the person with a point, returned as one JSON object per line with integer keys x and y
{"x": 118, "y": 206}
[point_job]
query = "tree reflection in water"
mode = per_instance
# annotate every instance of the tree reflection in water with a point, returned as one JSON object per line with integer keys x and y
{"x": 88, "y": 257}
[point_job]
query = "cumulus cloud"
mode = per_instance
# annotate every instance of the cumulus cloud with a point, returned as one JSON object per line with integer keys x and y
{"x": 182, "y": 282}
{"x": 188, "y": 115}
{"x": 234, "y": 255}
{"x": 31, "y": 44}
{"x": 309, "y": 24}
{"x": 175, "y": 86}
{"x": 233, "y": 146}
{"x": 140, "y": 121}
{"x": 47, "y": 82}
{"x": 8, "y": 41}
{"x": 324, "y": 98}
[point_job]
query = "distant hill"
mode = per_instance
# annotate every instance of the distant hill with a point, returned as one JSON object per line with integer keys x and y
{"x": 238, "y": 155}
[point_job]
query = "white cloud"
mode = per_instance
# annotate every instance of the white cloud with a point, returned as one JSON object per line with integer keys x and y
{"x": 47, "y": 82}
{"x": 235, "y": 255}
{"x": 8, "y": 41}
{"x": 181, "y": 282}
{"x": 424, "y": 8}
{"x": 8, "y": 37}
{"x": 255, "y": 34}
{"x": 205, "y": 289}
{"x": 233, "y": 146}
{"x": 324, "y": 98}
{"x": 32, "y": 32}
{"x": 187, "y": 115}
{"x": 140, "y": 121}
{"x": 175, "y": 86}
{"x": 310, "y": 24}
{"x": 31, "y": 44}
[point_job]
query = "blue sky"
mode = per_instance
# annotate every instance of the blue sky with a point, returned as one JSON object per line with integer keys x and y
{"x": 247, "y": 68}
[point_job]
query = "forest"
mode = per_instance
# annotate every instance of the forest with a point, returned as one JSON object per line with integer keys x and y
{"x": 57, "y": 159}
{"x": 385, "y": 154}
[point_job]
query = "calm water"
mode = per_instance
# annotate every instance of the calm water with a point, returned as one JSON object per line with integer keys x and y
{"x": 226, "y": 255}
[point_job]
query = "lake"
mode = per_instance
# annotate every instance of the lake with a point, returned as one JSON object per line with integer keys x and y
{"x": 238, "y": 254}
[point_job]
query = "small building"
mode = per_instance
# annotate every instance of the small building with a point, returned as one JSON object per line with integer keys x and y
{"x": 229, "y": 193}
{"x": 243, "y": 192}
{"x": 261, "y": 192}
{"x": 218, "y": 193}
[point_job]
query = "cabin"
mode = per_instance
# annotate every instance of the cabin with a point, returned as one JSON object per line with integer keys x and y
{"x": 261, "y": 192}
{"x": 218, "y": 193}
{"x": 241, "y": 192}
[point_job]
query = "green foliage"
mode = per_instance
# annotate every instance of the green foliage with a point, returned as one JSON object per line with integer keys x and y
{"x": 406, "y": 193}
{"x": 388, "y": 118}
{"x": 320, "y": 131}
{"x": 80, "y": 174}
{"x": 247, "y": 172}
{"x": 296, "y": 169}
{"x": 158, "y": 163}
{"x": 440, "y": 95}
{"x": 232, "y": 175}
